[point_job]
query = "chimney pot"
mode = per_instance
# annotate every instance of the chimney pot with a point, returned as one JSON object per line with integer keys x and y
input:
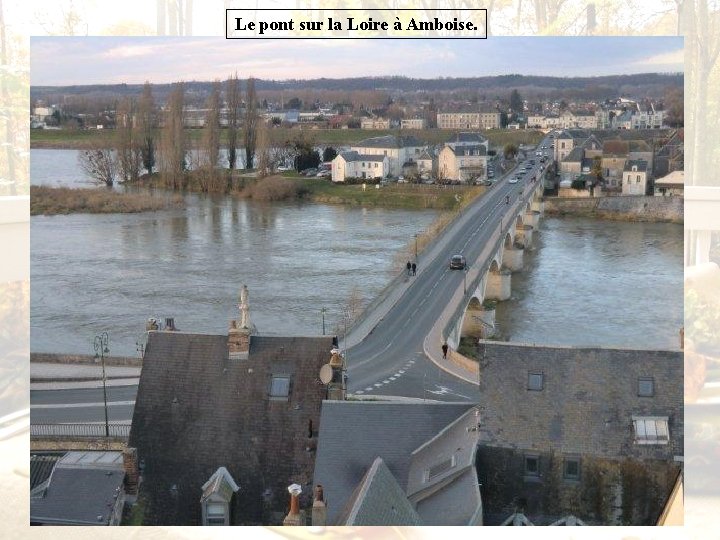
{"x": 170, "y": 324}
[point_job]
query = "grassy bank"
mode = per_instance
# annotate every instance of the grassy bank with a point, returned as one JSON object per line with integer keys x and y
{"x": 57, "y": 200}
{"x": 79, "y": 139}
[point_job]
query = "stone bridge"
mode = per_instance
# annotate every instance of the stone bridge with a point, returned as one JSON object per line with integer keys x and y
{"x": 488, "y": 279}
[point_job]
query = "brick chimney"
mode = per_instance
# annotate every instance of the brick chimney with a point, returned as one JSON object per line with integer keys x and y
{"x": 238, "y": 342}
{"x": 336, "y": 387}
{"x": 319, "y": 508}
{"x": 295, "y": 517}
{"x": 132, "y": 474}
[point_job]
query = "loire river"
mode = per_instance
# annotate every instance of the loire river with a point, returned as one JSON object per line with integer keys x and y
{"x": 592, "y": 282}
{"x": 585, "y": 282}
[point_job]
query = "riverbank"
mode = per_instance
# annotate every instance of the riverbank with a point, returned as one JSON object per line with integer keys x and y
{"x": 630, "y": 208}
{"x": 279, "y": 136}
{"x": 59, "y": 200}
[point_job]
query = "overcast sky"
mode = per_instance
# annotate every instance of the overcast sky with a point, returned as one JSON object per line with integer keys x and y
{"x": 97, "y": 60}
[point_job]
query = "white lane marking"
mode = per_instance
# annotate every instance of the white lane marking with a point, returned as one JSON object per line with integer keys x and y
{"x": 360, "y": 392}
{"x": 397, "y": 375}
{"x": 369, "y": 389}
{"x": 392, "y": 378}
{"x": 81, "y": 405}
{"x": 401, "y": 371}
{"x": 385, "y": 381}
{"x": 378, "y": 384}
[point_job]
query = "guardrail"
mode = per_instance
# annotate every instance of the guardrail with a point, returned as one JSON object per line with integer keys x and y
{"x": 78, "y": 430}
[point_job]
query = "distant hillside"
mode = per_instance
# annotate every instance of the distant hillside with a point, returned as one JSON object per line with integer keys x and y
{"x": 643, "y": 85}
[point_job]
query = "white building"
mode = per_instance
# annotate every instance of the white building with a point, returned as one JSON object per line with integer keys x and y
{"x": 672, "y": 185}
{"x": 354, "y": 165}
{"x": 635, "y": 177}
{"x": 375, "y": 123}
{"x": 412, "y": 123}
{"x": 398, "y": 149}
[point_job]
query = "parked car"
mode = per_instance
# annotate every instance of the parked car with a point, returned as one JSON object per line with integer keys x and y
{"x": 309, "y": 172}
{"x": 457, "y": 262}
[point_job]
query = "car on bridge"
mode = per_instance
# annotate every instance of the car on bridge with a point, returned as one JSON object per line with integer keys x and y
{"x": 513, "y": 181}
{"x": 457, "y": 262}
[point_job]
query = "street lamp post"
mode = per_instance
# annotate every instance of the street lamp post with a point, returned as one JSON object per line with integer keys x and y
{"x": 322, "y": 312}
{"x": 101, "y": 348}
{"x": 465, "y": 271}
{"x": 416, "y": 249}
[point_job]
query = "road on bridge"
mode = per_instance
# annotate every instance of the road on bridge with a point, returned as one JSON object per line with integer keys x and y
{"x": 82, "y": 406}
{"x": 390, "y": 360}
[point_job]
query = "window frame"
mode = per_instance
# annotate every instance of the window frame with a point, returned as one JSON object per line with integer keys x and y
{"x": 527, "y": 473}
{"x": 572, "y": 460}
{"x": 280, "y": 397}
{"x": 531, "y": 374}
{"x": 650, "y": 380}
{"x": 642, "y": 435}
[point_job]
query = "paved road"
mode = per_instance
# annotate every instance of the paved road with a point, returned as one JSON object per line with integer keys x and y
{"x": 81, "y": 405}
{"x": 390, "y": 360}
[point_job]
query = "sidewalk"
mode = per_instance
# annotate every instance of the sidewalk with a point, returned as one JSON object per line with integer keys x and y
{"x": 72, "y": 376}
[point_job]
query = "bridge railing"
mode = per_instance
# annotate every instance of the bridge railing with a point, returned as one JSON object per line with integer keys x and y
{"x": 78, "y": 430}
{"x": 472, "y": 285}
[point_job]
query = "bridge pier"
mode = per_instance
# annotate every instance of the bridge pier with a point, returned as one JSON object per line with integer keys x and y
{"x": 498, "y": 285}
{"x": 532, "y": 218}
{"x": 538, "y": 206}
{"x": 479, "y": 321}
{"x": 523, "y": 236}
{"x": 513, "y": 258}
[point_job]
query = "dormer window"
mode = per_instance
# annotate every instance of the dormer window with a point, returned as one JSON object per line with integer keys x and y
{"x": 439, "y": 468}
{"x": 215, "y": 500}
{"x": 634, "y": 168}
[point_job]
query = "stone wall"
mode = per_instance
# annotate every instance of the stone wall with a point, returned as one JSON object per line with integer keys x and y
{"x": 608, "y": 492}
{"x": 629, "y": 208}
{"x": 53, "y": 358}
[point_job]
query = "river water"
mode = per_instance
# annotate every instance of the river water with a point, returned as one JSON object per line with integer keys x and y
{"x": 585, "y": 282}
{"x": 592, "y": 282}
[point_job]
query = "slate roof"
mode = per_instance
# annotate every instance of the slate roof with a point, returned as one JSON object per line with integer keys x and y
{"x": 469, "y": 150}
{"x": 388, "y": 141}
{"x": 588, "y": 399}
{"x": 40, "y": 468}
{"x": 352, "y": 155}
{"x": 575, "y": 155}
{"x": 353, "y": 434}
{"x": 196, "y": 411}
{"x": 378, "y": 500}
{"x": 80, "y": 491}
{"x": 641, "y": 165}
{"x": 425, "y": 156}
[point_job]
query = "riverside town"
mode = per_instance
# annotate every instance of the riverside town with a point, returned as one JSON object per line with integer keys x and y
{"x": 447, "y": 295}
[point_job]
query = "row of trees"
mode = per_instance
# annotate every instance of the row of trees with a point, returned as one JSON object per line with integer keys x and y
{"x": 153, "y": 140}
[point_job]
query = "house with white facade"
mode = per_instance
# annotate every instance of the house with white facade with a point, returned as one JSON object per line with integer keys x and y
{"x": 375, "y": 123}
{"x": 671, "y": 185}
{"x": 398, "y": 149}
{"x": 635, "y": 177}
{"x": 412, "y": 123}
{"x": 464, "y": 158}
{"x": 354, "y": 165}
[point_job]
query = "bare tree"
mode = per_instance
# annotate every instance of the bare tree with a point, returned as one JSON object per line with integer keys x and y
{"x": 233, "y": 99}
{"x": 263, "y": 152}
{"x": 211, "y": 132}
{"x": 173, "y": 145}
{"x": 128, "y": 144}
{"x": 146, "y": 125}
{"x": 251, "y": 122}
{"x": 99, "y": 163}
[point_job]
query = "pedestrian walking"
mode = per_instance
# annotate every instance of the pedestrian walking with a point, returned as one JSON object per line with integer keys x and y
{"x": 445, "y": 350}
{"x": 409, "y": 267}
{"x": 414, "y": 268}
